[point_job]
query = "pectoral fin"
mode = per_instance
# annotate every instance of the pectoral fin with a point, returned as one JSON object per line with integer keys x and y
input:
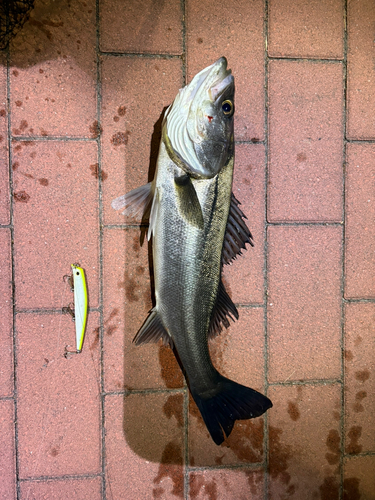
{"x": 188, "y": 202}
{"x": 237, "y": 234}
{"x": 153, "y": 215}
{"x": 137, "y": 203}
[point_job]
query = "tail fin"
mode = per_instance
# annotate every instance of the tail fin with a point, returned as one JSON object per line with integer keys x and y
{"x": 230, "y": 402}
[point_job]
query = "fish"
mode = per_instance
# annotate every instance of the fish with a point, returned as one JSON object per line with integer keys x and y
{"x": 197, "y": 227}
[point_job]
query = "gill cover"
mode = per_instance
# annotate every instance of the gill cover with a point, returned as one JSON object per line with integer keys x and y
{"x": 198, "y": 128}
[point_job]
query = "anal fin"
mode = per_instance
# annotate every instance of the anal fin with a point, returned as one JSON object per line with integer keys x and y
{"x": 153, "y": 330}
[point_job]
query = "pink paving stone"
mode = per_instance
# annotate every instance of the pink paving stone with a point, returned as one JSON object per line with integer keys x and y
{"x": 134, "y": 93}
{"x": 144, "y": 451}
{"x": 306, "y": 29}
{"x": 55, "y": 220}
{"x": 4, "y": 161}
{"x": 7, "y": 455}
{"x": 359, "y": 479}
{"x": 141, "y": 26}
{"x": 58, "y": 409}
{"x": 234, "y": 30}
{"x": 360, "y": 377}
{"x": 53, "y": 71}
{"x": 361, "y": 70}
{"x": 127, "y": 300}
{"x": 304, "y": 442}
{"x": 74, "y": 489}
{"x": 6, "y": 315}
{"x": 360, "y": 222}
{"x": 238, "y": 353}
{"x": 213, "y": 484}
{"x": 244, "y": 278}
{"x": 305, "y": 141}
{"x": 304, "y": 297}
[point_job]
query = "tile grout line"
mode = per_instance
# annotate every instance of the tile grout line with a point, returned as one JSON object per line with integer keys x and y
{"x": 11, "y": 228}
{"x": 43, "y": 479}
{"x": 344, "y": 158}
{"x": 265, "y": 250}
{"x": 100, "y": 223}
{"x": 64, "y": 138}
{"x": 312, "y": 60}
{"x": 141, "y": 55}
{"x": 303, "y": 382}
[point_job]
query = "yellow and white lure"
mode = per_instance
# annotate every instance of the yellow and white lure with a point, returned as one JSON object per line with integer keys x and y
{"x": 80, "y": 304}
{"x": 78, "y": 284}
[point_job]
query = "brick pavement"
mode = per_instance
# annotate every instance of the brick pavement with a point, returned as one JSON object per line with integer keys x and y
{"x": 82, "y": 90}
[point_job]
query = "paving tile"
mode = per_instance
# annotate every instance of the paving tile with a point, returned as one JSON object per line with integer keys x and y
{"x": 144, "y": 450}
{"x": 359, "y": 481}
{"x": 244, "y": 277}
{"x": 305, "y": 141}
{"x": 306, "y": 29}
{"x": 141, "y": 27}
{"x": 7, "y": 455}
{"x": 127, "y": 300}
{"x": 74, "y": 489}
{"x": 234, "y": 30}
{"x": 4, "y": 161}
{"x": 6, "y": 315}
{"x": 134, "y": 93}
{"x": 241, "y": 485}
{"x": 361, "y": 70}
{"x": 238, "y": 353}
{"x": 302, "y": 463}
{"x": 359, "y": 378}
{"x": 360, "y": 225}
{"x": 304, "y": 299}
{"x": 58, "y": 409}
{"x": 53, "y": 71}
{"x": 55, "y": 220}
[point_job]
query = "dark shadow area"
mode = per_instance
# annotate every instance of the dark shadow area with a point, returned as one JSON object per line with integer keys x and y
{"x": 55, "y": 30}
{"x": 13, "y": 15}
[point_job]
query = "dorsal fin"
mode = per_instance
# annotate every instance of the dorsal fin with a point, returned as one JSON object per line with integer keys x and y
{"x": 224, "y": 309}
{"x": 237, "y": 234}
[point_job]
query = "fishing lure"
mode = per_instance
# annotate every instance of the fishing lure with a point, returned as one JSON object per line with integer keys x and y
{"x": 78, "y": 284}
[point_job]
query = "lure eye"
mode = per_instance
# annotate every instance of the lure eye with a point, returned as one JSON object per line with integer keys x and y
{"x": 227, "y": 107}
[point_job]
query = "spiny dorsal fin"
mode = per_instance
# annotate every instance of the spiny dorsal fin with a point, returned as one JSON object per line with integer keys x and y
{"x": 224, "y": 309}
{"x": 188, "y": 202}
{"x": 137, "y": 203}
{"x": 152, "y": 331}
{"x": 237, "y": 234}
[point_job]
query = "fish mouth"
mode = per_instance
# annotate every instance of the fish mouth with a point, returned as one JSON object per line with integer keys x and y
{"x": 214, "y": 80}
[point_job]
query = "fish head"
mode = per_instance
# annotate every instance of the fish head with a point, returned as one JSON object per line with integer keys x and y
{"x": 199, "y": 124}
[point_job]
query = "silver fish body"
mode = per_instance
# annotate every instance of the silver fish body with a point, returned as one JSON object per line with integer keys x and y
{"x": 197, "y": 226}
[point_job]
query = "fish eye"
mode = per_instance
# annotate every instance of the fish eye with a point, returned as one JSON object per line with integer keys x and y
{"x": 227, "y": 107}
